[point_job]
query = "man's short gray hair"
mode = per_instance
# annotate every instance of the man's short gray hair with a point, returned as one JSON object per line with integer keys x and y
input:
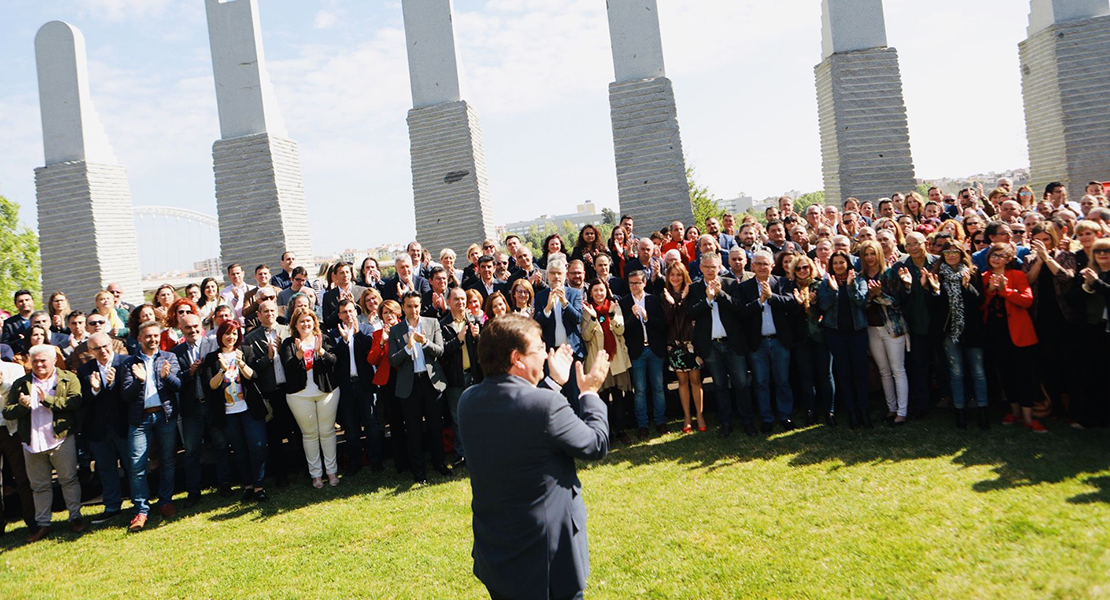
{"x": 765, "y": 254}
{"x": 556, "y": 262}
{"x": 41, "y": 349}
{"x": 737, "y": 250}
{"x": 446, "y": 252}
{"x": 400, "y": 258}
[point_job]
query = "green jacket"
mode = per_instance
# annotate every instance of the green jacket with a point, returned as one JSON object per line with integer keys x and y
{"x": 64, "y": 405}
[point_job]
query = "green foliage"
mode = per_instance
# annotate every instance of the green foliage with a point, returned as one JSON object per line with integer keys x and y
{"x": 566, "y": 230}
{"x": 923, "y": 189}
{"x": 701, "y": 200}
{"x": 20, "y": 266}
{"x": 801, "y": 203}
{"x": 608, "y": 216}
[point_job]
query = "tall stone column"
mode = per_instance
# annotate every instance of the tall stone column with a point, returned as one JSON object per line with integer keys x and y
{"x": 86, "y": 223}
{"x": 865, "y": 141}
{"x": 449, "y": 186}
{"x": 259, "y": 193}
{"x": 651, "y": 169}
{"x": 1065, "y": 80}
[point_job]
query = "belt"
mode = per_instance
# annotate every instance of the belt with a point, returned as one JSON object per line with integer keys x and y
{"x": 720, "y": 339}
{"x": 152, "y": 410}
{"x": 354, "y": 378}
{"x": 770, "y": 337}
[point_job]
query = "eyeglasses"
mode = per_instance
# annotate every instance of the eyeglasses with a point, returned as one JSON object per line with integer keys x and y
{"x": 503, "y": 262}
{"x": 95, "y": 322}
{"x": 951, "y": 253}
{"x": 802, "y": 268}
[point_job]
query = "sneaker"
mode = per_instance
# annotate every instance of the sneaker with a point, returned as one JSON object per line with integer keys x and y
{"x": 261, "y": 496}
{"x": 106, "y": 517}
{"x": 1036, "y": 427}
{"x": 1010, "y": 419}
{"x": 137, "y": 523}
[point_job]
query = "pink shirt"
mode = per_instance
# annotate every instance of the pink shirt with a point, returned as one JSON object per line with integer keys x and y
{"x": 42, "y": 418}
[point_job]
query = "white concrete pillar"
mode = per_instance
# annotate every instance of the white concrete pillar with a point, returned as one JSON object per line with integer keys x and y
{"x": 1065, "y": 79}
{"x": 259, "y": 191}
{"x": 651, "y": 169}
{"x": 449, "y": 185}
{"x": 865, "y": 140}
{"x": 86, "y": 223}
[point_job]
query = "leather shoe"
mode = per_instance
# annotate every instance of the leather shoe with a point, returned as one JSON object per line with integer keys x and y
{"x": 192, "y": 499}
{"x": 137, "y": 523}
{"x": 443, "y": 470}
{"x": 167, "y": 510}
{"x": 77, "y": 525}
{"x": 767, "y": 427}
{"x": 661, "y": 429}
{"x": 106, "y": 517}
{"x": 642, "y": 433}
{"x": 749, "y": 429}
{"x": 419, "y": 480}
{"x": 261, "y": 496}
{"x": 830, "y": 420}
{"x": 623, "y": 438}
{"x": 724, "y": 431}
{"x": 787, "y": 425}
{"x": 248, "y": 495}
{"x": 226, "y": 491}
{"x": 39, "y": 534}
{"x": 811, "y": 418}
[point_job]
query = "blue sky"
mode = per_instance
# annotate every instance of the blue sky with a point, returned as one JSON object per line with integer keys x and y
{"x": 537, "y": 71}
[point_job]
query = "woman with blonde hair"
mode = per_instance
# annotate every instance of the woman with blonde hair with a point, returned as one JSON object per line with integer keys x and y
{"x": 680, "y": 344}
{"x": 812, "y": 363}
{"x": 308, "y": 358}
{"x": 886, "y": 331}
{"x": 105, "y": 306}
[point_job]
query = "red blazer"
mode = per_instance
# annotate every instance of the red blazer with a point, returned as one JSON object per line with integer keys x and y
{"x": 379, "y": 357}
{"x": 1019, "y": 297}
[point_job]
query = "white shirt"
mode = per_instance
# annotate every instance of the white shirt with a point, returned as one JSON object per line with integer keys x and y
{"x": 351, "y": 352}
{"x": 560, "y": 328}
{"x": 228, "y": 294}
{"x": 279, "y": 371}
{"x": 150, "y": 388}
{"x": 718, "y": 330}
{"x": 643, "y": 322}
{"x": 416, "y": 351}
{"x": 103, "y": 373}
{"x": 42, "y": 418}
{"x": 767, "y": 326}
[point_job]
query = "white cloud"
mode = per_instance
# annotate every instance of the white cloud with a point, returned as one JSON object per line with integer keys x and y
{"x": 325, "y": 19}
{"x": 121, "y": 10}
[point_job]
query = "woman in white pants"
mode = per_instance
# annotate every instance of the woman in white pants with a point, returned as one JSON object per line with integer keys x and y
{"x": 886, "y": 332}
{"x": 313, "y": 399}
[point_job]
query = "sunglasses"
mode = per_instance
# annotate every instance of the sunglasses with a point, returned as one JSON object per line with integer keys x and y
{"x": 96, "y": 322}
{"x": 185, "y": 311}
{"x": 1102, "y": 251}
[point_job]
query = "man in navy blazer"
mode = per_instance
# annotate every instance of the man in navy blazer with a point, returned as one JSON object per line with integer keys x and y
{"x": 6, "y": 353}
{"x": 645, "y": 334}
{"x": 559, "y": 309}
{"x": 18, "y": 326}
{"x": 405, "y": 280}
{"x": 354, "y": 374}
{"x": 150, "y": 385}
{"x": 529, "y": 516}
{"x": 768, "y": 305}
{"x": 104, "y": 421}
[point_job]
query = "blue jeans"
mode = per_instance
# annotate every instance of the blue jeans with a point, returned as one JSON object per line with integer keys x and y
{"x": 725, "y": 365}
{"x": 153, "y": 427}
{"x": 194, "y": 428}
{"x": 815, "y": 379}
{"x": 772, "y": 360}
{"x": 649, "y": 365}
{"x": 956, "y": 355}
{"x": 356, "y": 410}
{"x": 108, "y": 451}
{"x": 849, "y": 355}
{"x": 246, "y": 434}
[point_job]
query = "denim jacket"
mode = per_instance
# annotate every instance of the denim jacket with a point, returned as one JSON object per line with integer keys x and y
{"x": 889, "y": 301}
{"x": 828, "y": 300}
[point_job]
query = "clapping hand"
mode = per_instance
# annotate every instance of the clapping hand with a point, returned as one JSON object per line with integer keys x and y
{"x": 94, "y": 382}
{"x": 668, "y": 297}
{"x": 165, "y": 370}
{"x": 558, "y": 364}
{"x": 930, "y": 281}
{"x": 1040, "y": 250}
{"x": 1089, "y": 275}
{"x": 851, "y": 276}
{"x": 139, "y": 371}
{"x": 588, "y": 309}
{"x": 639, "y": 312}
{"x": 966, "y": 278}
{"x": 590, "y": 383}
{"x": 25, "y": 400}
{"x": 833, "y": 284}
{"x": 764, "y": 291}
{"x": 997, "y": 282}
{"x": 905, "y": 276}
{"x": 874, "y": 288}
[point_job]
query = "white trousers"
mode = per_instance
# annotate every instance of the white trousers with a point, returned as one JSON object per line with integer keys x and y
{"x": 315, "y": 416}
{"x": 889, "y": 354}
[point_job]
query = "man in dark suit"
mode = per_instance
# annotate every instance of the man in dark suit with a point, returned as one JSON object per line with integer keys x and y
{"x": 459, "y": 360}
{"x": 603, "y": 264}
{"x": 6, "y": 353}
{"x": 150, "y": 385}
{"x": 527, "y": 269}
{"x": 196, "y": 414}
{"x": 345, "y": 288}
{"x": 559, "y": 310}
{"x": 354, "y": 376}
{"x": 768, "y": 304}
{"x": 707, "y": 243}
{"x": 652, "y": 267}
{"x": 485, "y": 282}
{"x": 529, "y": 517}
{"x": 645, "y": 334}
{"x": 104, "y": 424}
{"x": 415, "y": 346}
{"x": 719, "y": 341}
{"x": 405, "y": 280}
{"x": 433, "y": 303}
{"x": 260, "y": 352}
{"x": 17, "y": 327}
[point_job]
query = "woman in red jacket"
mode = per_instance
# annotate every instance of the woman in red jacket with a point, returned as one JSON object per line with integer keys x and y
{"x": 1010, "y": 332}
{"x": 390, "y": 313}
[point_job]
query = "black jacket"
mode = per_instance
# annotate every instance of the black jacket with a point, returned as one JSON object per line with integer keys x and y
{"x": 104, "y": 412}
{"x": 451, "y": 361}
{"x": 215, "y": 397}
{"x": 783, "y": 309}
{"x": 256, "y": 354}
{"x": 187, "y": 395}
{"x": 653, "y": 285}
{"x": 700, "y": 310}
{"x": 296, "y": 376}
{"x": 656, "y": 326}
{"x": 342, "y": 370}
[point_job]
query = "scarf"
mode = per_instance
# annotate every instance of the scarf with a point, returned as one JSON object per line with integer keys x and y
{"x": 951, "y": 281}
{"x": 603, "y": 318}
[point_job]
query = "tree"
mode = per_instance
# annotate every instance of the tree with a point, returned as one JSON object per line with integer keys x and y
{"x": 701, "y": 200}
{"x": 923, "y": 189}
{"x": 801, "y": 203}
{"x": 608, "y": 216}
{"x": 19, "y": 256}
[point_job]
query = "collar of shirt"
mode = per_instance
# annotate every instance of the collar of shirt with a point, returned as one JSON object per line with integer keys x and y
{"x": 48, "y": 383}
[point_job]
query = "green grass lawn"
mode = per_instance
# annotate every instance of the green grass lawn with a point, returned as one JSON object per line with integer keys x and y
{"x": 924, "y": 511}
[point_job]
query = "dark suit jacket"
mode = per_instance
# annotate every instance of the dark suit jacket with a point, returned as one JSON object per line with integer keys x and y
{"x": 168, "y": 386}
{"x": 783, "y": 308}
{"x": 653, "y": 286}
{"x": 14, "y": 333}
{"x": 430, "y": 311}
{"x": 656, "y": 326}
{"x": 296, "y": 375}
{"x": 389, "y": 287}
{"x": 451, "y": 360}
{"x": 363, "y": 337}
{"x": 700, "y": 310}
{"x": 481, "y": 287}
{"x": 331, "y": 304}
{"x": 401, "y": 361}
{"x": 105, "y": 411}
{"x": 215, "y": 397}
{"x": 571, "y": 316}
{"x": 520, "y": 274}
{"x": 529, "y": 517}
{"x": 187, "y": 397}
{"x": 256, "y": 354}
{"x": 6, "y": 353}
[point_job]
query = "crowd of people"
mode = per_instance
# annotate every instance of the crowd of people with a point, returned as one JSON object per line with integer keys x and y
{"x": 957, "y": 301}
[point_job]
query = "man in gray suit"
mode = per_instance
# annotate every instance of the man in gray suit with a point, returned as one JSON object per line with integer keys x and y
{"x": 529, "y": 517}
{"x": 415, "y": 347}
